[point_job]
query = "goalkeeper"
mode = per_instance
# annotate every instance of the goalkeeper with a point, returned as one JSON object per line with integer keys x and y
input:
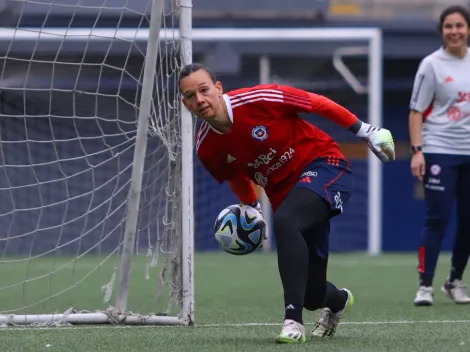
{"x": 255, "y": 134}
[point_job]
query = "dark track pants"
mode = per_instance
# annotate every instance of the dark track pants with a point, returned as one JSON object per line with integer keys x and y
{"x": 447, "y": 178}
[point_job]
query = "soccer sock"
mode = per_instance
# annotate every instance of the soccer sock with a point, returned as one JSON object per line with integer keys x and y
{"x": 335, "y": 299}
{"x": 293, "y": 263}
{"x": 294, "y": 312}
{"x": 302, "y": 209}
{"x": 291, "y": 217}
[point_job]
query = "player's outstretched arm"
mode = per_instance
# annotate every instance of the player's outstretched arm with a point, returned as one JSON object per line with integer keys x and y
{"x": 379, "y": 140}
{"x": 289, "y": 100}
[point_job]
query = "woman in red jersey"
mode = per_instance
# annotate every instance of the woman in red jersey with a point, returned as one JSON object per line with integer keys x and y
{"x": 256, "y": 135}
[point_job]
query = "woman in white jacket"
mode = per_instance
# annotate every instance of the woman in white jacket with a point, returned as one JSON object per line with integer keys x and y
{"x": 439, "y": 124}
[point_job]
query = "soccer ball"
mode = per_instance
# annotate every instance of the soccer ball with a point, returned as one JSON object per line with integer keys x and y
{"x": 240, "y": 229}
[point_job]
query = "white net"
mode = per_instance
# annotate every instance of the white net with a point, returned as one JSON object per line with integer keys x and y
{"x": 70, "y": 99}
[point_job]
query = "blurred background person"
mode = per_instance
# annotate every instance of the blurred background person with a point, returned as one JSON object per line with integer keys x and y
{"x": 439, "y": 126}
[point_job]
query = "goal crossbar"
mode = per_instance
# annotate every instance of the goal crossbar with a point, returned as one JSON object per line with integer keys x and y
{"x": 197, "y": 34}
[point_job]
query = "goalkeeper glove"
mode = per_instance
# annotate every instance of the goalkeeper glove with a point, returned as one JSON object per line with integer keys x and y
{"x": 379, "y": 140}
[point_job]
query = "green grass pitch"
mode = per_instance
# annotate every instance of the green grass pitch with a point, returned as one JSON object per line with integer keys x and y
{"x": 239, "y": 307}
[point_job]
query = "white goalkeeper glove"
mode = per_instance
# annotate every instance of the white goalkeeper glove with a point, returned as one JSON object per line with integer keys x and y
{"x": 379, "y": 140}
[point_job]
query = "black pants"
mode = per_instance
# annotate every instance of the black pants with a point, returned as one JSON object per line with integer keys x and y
{"x": 447, "y": 179}
{"x": 301, "y": 227}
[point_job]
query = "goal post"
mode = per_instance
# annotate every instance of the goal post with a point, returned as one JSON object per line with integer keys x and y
{"x": 140, "y": 149}
{"x": 84, "y": 218}
{"x": 187, "y": 169}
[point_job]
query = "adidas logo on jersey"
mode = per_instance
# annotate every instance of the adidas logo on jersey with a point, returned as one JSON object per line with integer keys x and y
{"x": 230, "y": 158}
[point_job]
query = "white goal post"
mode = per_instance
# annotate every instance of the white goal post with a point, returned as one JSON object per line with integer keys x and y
{"x": 186, "y": 36}
{"x": 118, "y": 129}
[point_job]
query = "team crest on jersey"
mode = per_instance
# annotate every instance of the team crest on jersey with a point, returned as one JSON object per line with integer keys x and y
{"x": 259, "y": 133}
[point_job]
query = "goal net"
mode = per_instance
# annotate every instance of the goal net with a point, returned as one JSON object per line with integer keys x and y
{"x": 91, "y": 145}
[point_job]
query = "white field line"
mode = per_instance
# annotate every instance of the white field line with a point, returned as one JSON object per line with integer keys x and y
{"x": 347, "y": 323}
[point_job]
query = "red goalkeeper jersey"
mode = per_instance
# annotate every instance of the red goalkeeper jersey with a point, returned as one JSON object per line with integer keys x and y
{"x": 269, "y": 142}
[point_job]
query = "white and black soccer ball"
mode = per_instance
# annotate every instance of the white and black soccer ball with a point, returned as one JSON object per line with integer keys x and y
{"x": 240, "y": 229}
